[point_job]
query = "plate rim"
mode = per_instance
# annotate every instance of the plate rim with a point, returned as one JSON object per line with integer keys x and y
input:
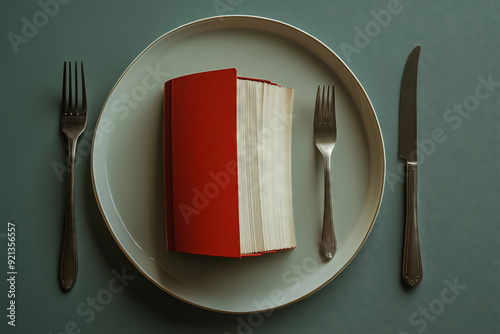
{"x": 331, "y": 53}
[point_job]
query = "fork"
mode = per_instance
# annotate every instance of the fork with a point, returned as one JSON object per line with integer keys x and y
{"x": 73, "y": 123}
{"x": 325, "y": 136}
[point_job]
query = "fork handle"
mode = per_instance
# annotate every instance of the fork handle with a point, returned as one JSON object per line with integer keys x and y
{"x": 412, "y": 263}
{"x": 68, "y": 258}
{"x": 328, "y": 239}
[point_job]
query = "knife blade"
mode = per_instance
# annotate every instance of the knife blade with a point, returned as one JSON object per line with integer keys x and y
{"x": 412, "y": 263}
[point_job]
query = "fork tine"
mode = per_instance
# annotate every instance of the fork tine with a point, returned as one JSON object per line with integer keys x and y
{"x": 76, "y": 88}
{"x": 84, "y": 94}
{"x": 328, "y": 114}
{"x": 317, "y": 118}
{"x": 332, "y": 106}
{"x": 63, "y": 108}
{"x": 70, "y": 100}
{"x": 324, "y": 114}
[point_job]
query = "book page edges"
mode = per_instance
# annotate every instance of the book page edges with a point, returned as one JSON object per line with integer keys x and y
{"x": 268, "y": 251}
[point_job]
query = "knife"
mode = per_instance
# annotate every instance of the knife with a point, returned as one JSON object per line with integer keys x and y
{"x": 412, "y": 263}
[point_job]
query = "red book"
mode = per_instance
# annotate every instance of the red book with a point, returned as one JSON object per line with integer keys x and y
{"x": 217, "y": 202}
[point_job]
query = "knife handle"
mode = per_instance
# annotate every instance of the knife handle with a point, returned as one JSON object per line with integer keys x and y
{"x": 412, "y": 262}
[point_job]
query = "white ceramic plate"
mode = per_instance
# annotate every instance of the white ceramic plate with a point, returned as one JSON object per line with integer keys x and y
{"x": 127, "y": 163}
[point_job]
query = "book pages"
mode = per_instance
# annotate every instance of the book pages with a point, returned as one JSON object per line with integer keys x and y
{"x": 264, "y": 121}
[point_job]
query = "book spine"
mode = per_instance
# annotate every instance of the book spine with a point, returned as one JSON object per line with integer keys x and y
{"x": 167, "y": 161}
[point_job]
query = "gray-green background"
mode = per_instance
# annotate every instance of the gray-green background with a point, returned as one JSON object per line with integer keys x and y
{"x": 459, "y": 177}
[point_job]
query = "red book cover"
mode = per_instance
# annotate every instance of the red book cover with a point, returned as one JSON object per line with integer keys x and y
{"x": 200, "y": 158}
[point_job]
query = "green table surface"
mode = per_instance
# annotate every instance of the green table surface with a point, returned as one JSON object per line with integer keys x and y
{"x": 459, "y": 177}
